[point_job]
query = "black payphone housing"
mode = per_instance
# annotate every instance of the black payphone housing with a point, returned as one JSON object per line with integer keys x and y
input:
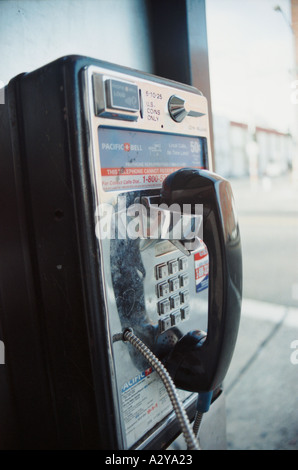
{"x": 84, "y": 145}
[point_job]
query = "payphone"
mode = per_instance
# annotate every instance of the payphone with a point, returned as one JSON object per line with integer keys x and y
{"x": 113, "y": 224}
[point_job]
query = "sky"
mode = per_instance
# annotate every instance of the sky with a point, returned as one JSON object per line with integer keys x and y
{"x": 251, "y": 58}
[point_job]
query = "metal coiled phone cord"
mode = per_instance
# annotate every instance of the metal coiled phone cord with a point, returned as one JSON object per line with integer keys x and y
{"x": 189, "y": 436}
{"x": 197, "y": 422}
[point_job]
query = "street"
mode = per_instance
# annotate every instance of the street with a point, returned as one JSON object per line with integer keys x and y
{"x": 270, "y": 251}
{"x": 268, "y": 218}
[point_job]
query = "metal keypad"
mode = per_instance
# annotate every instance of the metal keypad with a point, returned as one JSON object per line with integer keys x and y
{"x": 172, "y": 293}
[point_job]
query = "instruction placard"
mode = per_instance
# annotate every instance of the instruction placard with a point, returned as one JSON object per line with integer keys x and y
{"x": 141, "y": 159}
{"x": 145, "y": 402}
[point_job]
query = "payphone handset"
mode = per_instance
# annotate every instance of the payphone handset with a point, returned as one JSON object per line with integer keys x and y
{"x": 168, "y": 240}
{"x": 200, "y": 360}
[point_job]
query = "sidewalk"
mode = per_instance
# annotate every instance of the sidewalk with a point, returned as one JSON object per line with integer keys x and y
{"x": 262, "y": 383}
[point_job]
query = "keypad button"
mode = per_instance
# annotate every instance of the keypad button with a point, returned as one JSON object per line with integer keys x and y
{"x": 174, "y": 284}
{"x": 163, "y": 289}
{"x": 184, "y": 280}
{"x": 161, "y": 271}
{"x": 183, "y": 263}
{"x": 185, "y": 313}
{"x": 184, "y": 296}
{"x": 175, "y": 318}
{"x": 164, "y": 306}
{"x": 165, "y": 324}
{"x": 175, "y": 301}
{"x": 173, "y": 267}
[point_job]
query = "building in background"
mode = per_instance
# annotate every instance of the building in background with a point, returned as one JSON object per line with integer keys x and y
{"x": 241, "y": 151}
{"x": 251, "y": 70}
